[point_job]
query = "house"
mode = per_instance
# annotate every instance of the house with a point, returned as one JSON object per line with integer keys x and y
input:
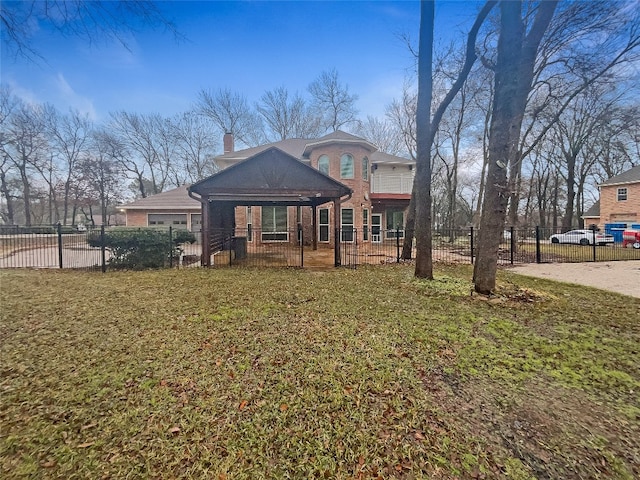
{"x": 381, "y": 183}
{"x": 619, "y": 201}
{"x": 171, "y": 208}
{"x": 312, "y": 180}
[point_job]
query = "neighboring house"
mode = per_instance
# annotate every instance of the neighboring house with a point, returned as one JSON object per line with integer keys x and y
{"x": 591, "y": 217}
{"x": 619, "y": 201}
{"x": 380, "y": 186}
{"x": 171, "y": 208}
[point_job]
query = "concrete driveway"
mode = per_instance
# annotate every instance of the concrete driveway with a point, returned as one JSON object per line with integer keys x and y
{"x": 621, "y": 277}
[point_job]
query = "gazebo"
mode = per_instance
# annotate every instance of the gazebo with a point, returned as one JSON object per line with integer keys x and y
{"x": 269, "y": 178}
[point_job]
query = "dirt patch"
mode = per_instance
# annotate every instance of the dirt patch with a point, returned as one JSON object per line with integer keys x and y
{"x": 620, "y": 277}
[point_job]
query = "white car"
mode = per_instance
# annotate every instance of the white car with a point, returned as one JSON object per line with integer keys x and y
{"x": 582, "y": 237}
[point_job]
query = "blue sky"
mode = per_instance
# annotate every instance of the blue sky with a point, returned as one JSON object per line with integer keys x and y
{"x": 249, "y": 47}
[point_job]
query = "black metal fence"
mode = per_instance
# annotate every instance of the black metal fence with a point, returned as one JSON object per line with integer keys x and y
{"x": 60, "y": 246}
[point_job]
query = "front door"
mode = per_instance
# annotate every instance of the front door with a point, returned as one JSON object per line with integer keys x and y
{"x": 376, "y": 228}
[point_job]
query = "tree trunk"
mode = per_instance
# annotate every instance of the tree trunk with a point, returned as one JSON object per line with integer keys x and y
{"x": 422, "y": 183}
{"x": 4, "y": 188}
{"x": 567, "y": 218}
{"x": 26, "y": 196}
{"x": 513, "y": 77}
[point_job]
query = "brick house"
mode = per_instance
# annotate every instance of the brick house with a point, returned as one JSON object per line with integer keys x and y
{"x": 380, "y": 186}
{"x": 619, "y": 201}
{"x": 171, "y": 208}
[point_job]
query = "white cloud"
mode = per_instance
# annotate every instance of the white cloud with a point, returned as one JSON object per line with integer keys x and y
{"x": 69, "y": 97}
{"x": 22, "y": 93}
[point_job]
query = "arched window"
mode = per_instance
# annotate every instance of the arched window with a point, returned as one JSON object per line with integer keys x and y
{"x": 323, "y": 164}
{"x": 346, "y": 166}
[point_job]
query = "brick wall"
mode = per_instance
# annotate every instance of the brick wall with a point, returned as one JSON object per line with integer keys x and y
{"x": 612, "y": 210}
{"x": 359, "y": 186}
{"x": 139, "y": 218}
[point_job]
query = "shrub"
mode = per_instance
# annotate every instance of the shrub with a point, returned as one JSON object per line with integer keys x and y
{"x": 141, "y": 248}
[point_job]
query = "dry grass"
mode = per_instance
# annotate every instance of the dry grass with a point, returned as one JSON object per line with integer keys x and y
{"x": 294, "y": 374}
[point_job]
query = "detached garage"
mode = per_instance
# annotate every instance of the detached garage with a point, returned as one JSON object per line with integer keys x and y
{"x": 174, "y": 208}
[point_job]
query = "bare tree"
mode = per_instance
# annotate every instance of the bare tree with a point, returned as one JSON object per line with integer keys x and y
{"x": 195, "y": 145}
{"x": 231, "y": 113}
{"x": 25, "y": 147}
{"x": 91, "y": 21}
{"x": 100, "y": 174}
{"x": 514, "y": 72}
{"x": 287, "y": 116}
{"x": 332, "y": 101}
{"x": 402, "y": 113}
{"x": 8, "y": 104}
{"x": 384, "y": 134}
{"x": 573, "y": 136}
{"x": 145, "y": 159}
{"x": 426, "y": 127}
{"x": 69, "y": 139}
{"x": 567, "y": 65}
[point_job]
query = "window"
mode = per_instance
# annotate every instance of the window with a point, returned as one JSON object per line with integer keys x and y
{"x": 323, "y": 225}
{"x": 365, "y": 169}
{"x": 323, "y": 164}
{"x": 196, "y": 222}
{"x": 365, "y": 224}
{"x": 347, "y": 224}
{"x": 175, "y": 220}
{"x": 395, "y": 221}
{"x": 622, "y": 194}
{"x": 346, "y": 166}
{"x": 274, "y": 224}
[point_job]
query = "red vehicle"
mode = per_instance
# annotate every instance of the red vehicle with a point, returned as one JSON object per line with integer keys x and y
{"x": 631, "y": 237}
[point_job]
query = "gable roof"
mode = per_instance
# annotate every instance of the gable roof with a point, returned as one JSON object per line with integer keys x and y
{"x": 381, "y": 157}
{"x": 630, "y": 176}
{"x": 302, "y": 147}
{"x": 337, "y": 137}
{"x": 292, "y": 146}
{"x": 268, "y": 177}
{"x": 594, "y": 211}
{"x": 175, "y": 199}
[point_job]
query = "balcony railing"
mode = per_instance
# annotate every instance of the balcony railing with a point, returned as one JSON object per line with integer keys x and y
{"x": 392, "y": 183}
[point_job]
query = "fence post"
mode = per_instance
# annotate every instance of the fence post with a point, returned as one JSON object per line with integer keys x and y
{"x": 512, "y": 240}
{"x": 397, "y": 244}
{"x": 170, "y": 247}
{"x": 102, "y": 249}
{"x": 593, "y": 230}
{"x": 538, "y": 259}
{"x": 59, "y": 227}
{"x": 301, "y": 237}
{"x": 471, "y": 236}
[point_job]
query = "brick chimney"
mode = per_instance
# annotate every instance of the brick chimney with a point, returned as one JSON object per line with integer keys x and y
{"x": 227, "y": 142}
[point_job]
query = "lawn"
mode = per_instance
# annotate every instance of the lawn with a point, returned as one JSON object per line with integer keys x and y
{"x": 342, "y": 374}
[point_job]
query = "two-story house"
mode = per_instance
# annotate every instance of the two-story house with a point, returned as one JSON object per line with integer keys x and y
{"x": 619, "y": 202}
{"x": 373, "y": 192}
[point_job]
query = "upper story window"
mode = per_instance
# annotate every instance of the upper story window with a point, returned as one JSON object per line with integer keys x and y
{"x": 365, "y": 169}
{"x": 323, "y": 164}
{"x": 346, "y": 166}
{"x": 622, "y": 194}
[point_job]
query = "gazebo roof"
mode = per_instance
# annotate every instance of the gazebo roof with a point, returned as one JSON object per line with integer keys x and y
{"x": 270, "y": 177}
